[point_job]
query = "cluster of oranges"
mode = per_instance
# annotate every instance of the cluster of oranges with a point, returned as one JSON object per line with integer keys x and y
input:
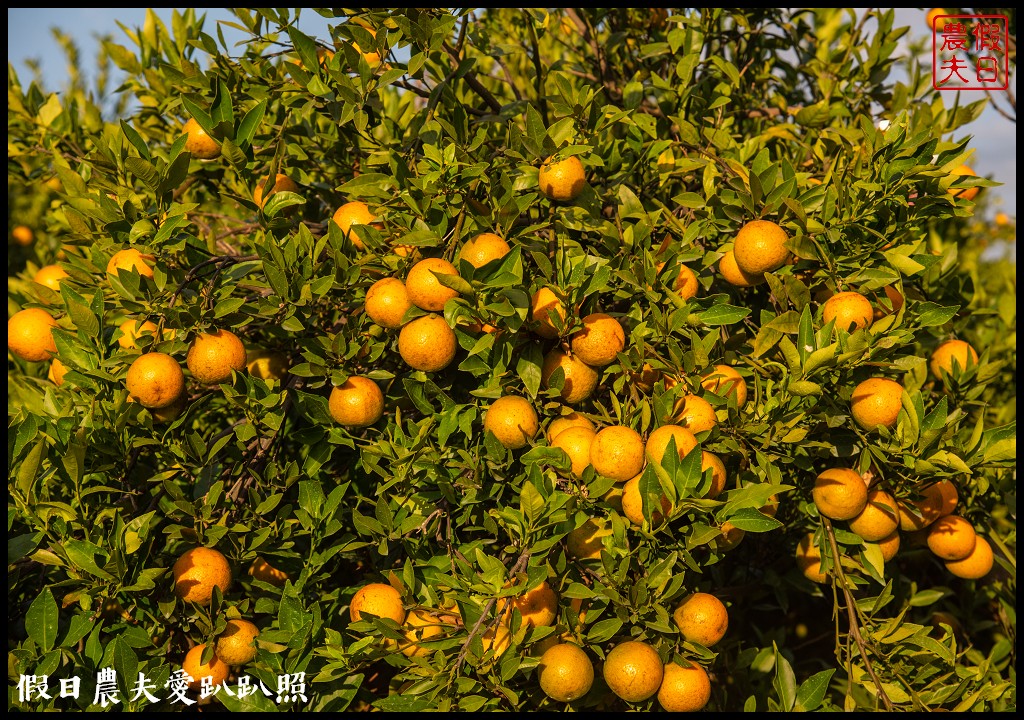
{"x": 197, "y": 573}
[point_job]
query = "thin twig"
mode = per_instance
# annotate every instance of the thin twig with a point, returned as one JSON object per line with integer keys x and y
{"x": 852, "y": 614}
{"x": 473, "y": 81}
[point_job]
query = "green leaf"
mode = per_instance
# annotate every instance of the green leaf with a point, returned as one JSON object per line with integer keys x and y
{"x": 785, "y": 681}
{"x": 723, "y": 315}
{"x": 41, "y": 620}
{"x": 812, "y": 691}
{"x": 247, "y": 128}
{"x": 528, "y": 368}
{"x": 932, "y": 315}
{"x": 752, "y": 520}
{"x": 135, "y": 139}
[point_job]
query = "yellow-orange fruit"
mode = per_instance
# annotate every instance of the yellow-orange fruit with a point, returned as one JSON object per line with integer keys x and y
{"x": 718, "y": 476}
{"x": 387, "y": 301}
{"x": 965, "y": 193}
{"x": 760, "y": 247}
{"x": 352, "y": 213}
{"x": 198, "y": 142}
{"x": 724, "y": 380}
{"x": 657, "y": 442}
{"x": 358, "y": 402}
{"x": 377, "y": 599}
{"x": 130, "y": 259}
{"x": 425, "y": 290}
{"x": 513, "y": 420}
{"x": 976, "y": 565}
{"x": 850, "y": 310}
{"x": 282, "y": 183}
{"x": 427, "y": 343}
{"x": 600, "y": 341}
{"x": 562, "y": 180}
{"x": 198, "y": 571}
{"x": 840, "y": 493}
{"x": 216, "y": 669}
{"x": 30, "y": 335}
{"x": 617, "y": 452}
{"x": 879, "y": 518}
{"x": 732, "y": 274}
{"x": 484, "y": 248}
{"x": 213, "y": 355}
{"x": 876, "y": 401}
{"x": 155, "y": 380}
{"x": 941, "y": 362}
{"x": 696, "y": 414}
{"x": 50, "y": 276}
{"x": 951, "y": 538}
{"x": 580, "y": 378}
{"x": 576, "y": 442}
{"x": 542, "y": 304}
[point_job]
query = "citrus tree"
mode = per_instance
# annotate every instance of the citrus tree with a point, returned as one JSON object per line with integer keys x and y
{"x": 508, "y": 359}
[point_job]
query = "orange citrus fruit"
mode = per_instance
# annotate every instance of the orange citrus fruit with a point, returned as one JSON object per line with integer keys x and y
{"x": 976, "y": 565}
{"x": 237, "y": 644}
{"x": 732, "y": 274}
{"x": 50, "y": 276}
{"x": 879, "y": 519}
{"x": 539, "y": 606}
{"x": 890, "y": 545}
{"x": 684, "y": 688}
{"x": 199, "y": 143}
{"x": 198, "y": 571}
{"x": 484, "y": 248}
{"x": 30, "y": 335}
{"x": 377, "y": 599}
{"x": 266, "y": 364}
{"x": 425, "y": 290}
{"x": 808, "y": 559}
{"x": 950, "y": 352}
{"x": 352, "y": 213}
{"x": 427, "y": 343}
{"x": 632, "y": 503}
{"x": 965, "y": 193}
{"x": 23, "y": 235}
{"x": 936, "y": 500}
{"x": 564, "y": 422}
{"x": 849, "y": 310}
{"x": 760, "y": 247}
{"x": 264, "y": 571}
{"x": 387, "y": 301}
{"x": 633, "y": 671}
{"x": 696, "y": 414}
{"x": 724, "y": 380}
{"x": 357, "y": 402}
{"x": 580, "y": 378}
{"x": 544, "y": 302}
{"x": 702, "y": 618}
{"x": 840, "y": 493}
{"x": 562, "y": 180}
{"x": 155, "y": 380}
{"x": 617, "y": 452}
{"x": 513, "y": 421}
{"x": 215, "y": 669}
{"x": 130, "y": 259}
{"x": 576, "y": 442}
{"x": 565, "y": 672}
{"x": 56, "y": 372}
{"x": 600, "y": 341}
{"x": 213, "y": 355}
{"x": 586, "y": 541}
{"x": 951, "y": 538}
{"x": 876, "y": 401}
{"x": 657, "y": 442}
{"x": 718, "y": 476}
{"x": 282, "y": 183}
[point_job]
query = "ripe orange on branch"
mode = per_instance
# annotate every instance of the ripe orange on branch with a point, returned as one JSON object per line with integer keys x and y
{"x": 633, "y": 670}
{"x": 198, "y": 142}
{"x": 760, "y": 247}
{"x": 282, "y": 183}
{"x": 542, "y": 304}
{"x": 952, "y": 351}
{"x": 702, "y": 618}
{"x": 213, "y": 355}
{"x": 617, "y": 452}
{"x": 427, "y": 343}
{"x": 50, "y": 276}
{"x": 216, "y": 669}
{"x": 352, "y": 213}
{"x": 130, "y": 259}
{"x": 30, "y": 335}
{"x": 513, "y": 421}
{"x": 358, "y": 402}
{"x": 726, "y": 381}
{"x": 840, "y": 493}
{"x": 876, "y": 401}
{"x": 484, "y": 248}
{"x": 684, "y": 688}
{"x": 425, "y": 290}
{"x": 600, "y": 341}
{"x": 562, "y": 180}
{"x": 565, "y": 672}
{"x": 377, "y": 599}
{"x": 387, "y": 301}
{"x": 580, "y": 378}
{"x": 850, "y": 310}
{"x": 731, "y": 272}
{"x": 155, "y": 380}
{"x": 198, "y": 571}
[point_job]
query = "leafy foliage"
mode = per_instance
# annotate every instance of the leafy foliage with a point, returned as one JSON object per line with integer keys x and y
{"x": 688, "y": 125}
